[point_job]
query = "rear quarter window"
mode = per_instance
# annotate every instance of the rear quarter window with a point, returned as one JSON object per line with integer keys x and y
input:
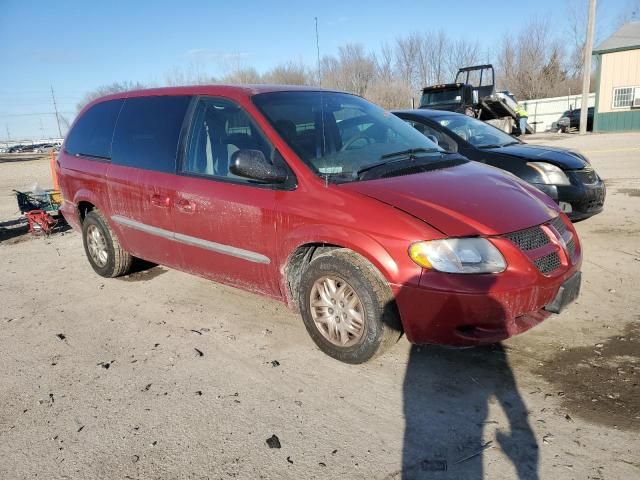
{"x": 92, "y": 133}
{"x": 148, "y": 131}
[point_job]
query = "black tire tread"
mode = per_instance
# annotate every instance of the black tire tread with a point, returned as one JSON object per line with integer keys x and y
{"x": 391, "y": 325}
{"x": 122, "y": 259}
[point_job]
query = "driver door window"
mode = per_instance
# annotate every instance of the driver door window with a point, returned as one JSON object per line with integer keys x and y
{"x": 219, "y": 129}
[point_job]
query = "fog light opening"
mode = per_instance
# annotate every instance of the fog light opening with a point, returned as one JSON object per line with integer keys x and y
{"x": 566, "y": 207}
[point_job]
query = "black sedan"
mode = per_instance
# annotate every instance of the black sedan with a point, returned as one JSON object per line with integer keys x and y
{"x": 564, "y": 175}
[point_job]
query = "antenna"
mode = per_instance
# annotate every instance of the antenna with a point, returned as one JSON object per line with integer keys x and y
{"x": 318, "y": 53}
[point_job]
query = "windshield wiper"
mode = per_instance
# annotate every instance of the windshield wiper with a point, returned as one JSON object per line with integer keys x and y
{"x": 498, "y": 145}
{"x": 404, "y": 155}
{"x": 411, "y": 152}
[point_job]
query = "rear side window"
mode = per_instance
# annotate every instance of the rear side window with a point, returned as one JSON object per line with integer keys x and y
{"x": 93, "y": 132}
{"x": 148, "y": 131}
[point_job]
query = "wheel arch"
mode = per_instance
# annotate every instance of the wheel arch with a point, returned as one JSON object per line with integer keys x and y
{"x": 307, "y": 243}
{"x": 85, "y": 201}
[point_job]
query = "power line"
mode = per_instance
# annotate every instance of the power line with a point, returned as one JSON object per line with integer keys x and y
{"x": 55, "y": 107}
{"x": 30, "y": 114}
{"x": 586, "y": 74}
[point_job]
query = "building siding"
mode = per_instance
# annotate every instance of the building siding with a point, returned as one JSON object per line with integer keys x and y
{"x": 618, "y": 121}
{"x": 617, "y": 69}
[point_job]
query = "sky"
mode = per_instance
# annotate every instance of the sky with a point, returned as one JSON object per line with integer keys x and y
{"x": 77, "y": 46}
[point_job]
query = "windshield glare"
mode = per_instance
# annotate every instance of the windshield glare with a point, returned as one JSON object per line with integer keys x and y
{"x": 477, "y": 133}
{"x": 338, "y": 134}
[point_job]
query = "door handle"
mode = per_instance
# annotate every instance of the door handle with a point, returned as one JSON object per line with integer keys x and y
{"x": 160, "y": 201}
{"x": 186, "y": 206}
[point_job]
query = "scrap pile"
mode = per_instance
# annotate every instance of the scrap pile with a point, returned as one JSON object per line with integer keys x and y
{"x": 41, "y": 208}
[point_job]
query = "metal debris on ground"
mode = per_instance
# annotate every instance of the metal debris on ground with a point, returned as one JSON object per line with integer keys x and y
{"x": 273, "y": 442}
{"x": 433, "y": 465}
{"x": 482, "y": 449}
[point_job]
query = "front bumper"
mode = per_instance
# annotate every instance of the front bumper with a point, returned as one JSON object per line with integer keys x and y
{"x": 70, "y": 213}
{"x": 467, "y": 310}
{"x": 584, "y": 200}
{"x": 451, "y": 318}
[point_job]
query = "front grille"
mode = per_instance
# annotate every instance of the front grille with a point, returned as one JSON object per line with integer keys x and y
{"x": 571, "y": 249}
{"x": 587, "y": 176}
{"x": 592, "y": 205}
{"x": 548, "y": 263}
{"x": 529, "y": 239}
{"x": 533, "y": 238}
{"x": 559, "y": 225}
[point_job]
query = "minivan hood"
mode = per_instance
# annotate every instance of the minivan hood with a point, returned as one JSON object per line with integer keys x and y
{"x": 466, "y": 200}
{"x": 560, "y": 157}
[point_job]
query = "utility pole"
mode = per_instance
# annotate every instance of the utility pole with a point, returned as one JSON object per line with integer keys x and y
{"x": 55, "y": 107}
{"x": 318, "y": 53}
{"x": 586, "y": 74}
{"x": 8, "y": 133}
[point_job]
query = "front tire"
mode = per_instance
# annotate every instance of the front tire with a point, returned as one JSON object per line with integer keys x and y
{"x": 102, "y": 247}
{"x": 347, "y": 307}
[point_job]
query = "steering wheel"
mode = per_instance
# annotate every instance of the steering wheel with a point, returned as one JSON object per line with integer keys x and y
{"x": 352, "y": 140}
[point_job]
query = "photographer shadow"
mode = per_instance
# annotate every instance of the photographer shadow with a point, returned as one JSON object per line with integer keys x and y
{"x": 447, "y": 394}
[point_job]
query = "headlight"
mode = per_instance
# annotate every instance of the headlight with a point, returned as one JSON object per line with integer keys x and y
{"x": 458, "y": 255}
{"x": 550, "y": 174}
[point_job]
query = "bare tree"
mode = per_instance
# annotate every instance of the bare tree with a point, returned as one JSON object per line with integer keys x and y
{"x": 352, "y": 71}
{"x": 407, "y": 52}
{"x": 384, "y": 63}
{"x": 193, "y": 74}
{"x": 576, "y": 34}
{"x": 103, "y": 90}
{"x": 289, "y": 73}
{"x": 532, "y": 64}
{"x": 461, "y": 53}
{"x": 390, "y": 94}
{"x": 242, "y": 75}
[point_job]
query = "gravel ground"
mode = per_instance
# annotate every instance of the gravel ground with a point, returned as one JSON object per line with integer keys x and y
{"x": 165, "y": 375}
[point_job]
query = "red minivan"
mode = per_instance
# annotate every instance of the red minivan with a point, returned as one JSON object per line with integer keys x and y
{"x": 324, "y": 201}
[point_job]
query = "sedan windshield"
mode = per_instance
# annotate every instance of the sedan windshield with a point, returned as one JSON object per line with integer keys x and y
{"x": 477, "y": 133}
{"x": 340, "y": 136}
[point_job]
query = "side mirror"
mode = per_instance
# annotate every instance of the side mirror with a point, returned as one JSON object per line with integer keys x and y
{"x": 254, "y": 165}
{"x": 433, "y": 138}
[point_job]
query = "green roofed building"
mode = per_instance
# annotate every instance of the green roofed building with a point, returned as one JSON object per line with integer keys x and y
{"x": 618, "y": 81}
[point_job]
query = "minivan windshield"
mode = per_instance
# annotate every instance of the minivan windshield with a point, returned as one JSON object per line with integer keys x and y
{"x": 477, "y": 133}
{"x": 340, "y": 136}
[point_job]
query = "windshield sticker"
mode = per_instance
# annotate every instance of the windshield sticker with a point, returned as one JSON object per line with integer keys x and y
{"x": 337, "y": 169}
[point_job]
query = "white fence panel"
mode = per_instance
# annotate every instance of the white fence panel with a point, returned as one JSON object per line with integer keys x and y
{"x": 544, "y": 111}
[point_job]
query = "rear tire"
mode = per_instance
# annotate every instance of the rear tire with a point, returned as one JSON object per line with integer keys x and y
{"x": 102, "y": 247}
{"x": 366, "y": 325}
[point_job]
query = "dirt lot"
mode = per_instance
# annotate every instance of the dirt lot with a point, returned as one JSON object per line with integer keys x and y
{"x": 103, "y": 378}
